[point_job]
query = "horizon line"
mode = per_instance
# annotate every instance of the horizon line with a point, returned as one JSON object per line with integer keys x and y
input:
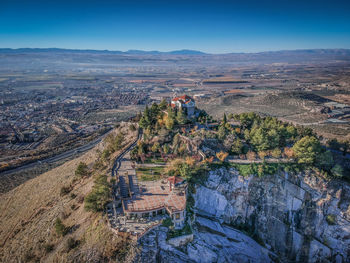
{"x": 199, "y": 52}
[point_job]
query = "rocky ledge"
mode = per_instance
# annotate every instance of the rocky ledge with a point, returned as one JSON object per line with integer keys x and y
{"x": 283, "y": 218}
{"x": 302, "y": 218}
{"x": 212, "y": 242}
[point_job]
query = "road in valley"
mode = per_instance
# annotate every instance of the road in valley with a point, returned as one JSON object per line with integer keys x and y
{"x": 57, "y": 157}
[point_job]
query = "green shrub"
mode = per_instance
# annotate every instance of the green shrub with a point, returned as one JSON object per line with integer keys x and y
{"x": 72, "y": 243}
{"x": 60, "y": 228}
{"x": 190, "y": 202}
{"x": 167, "y": 222}
{"x": 307, "y": 149}
{"x": 105, "y": 154}
{"x": 82, "y": 170}
{"x": 186, "y": 230}
{"x": 96, "y": 200}
{"x": 337, "y": 170}
{"x": 65, "y": 190}
{"x": 48, "y": 247}
{"x": 276, "y": 153}
{"x": 29, "y": 256}
{"x": 331, "y": 219}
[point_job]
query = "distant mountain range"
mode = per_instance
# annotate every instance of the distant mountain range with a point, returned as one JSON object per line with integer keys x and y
{"x": 26, "y": 57}
{"x": 91, "y": 51}
{"x": 176, "y": 52}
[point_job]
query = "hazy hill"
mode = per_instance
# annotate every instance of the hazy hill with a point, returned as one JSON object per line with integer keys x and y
{"x": 240, "y": 55}
{"x": 32, "y": 59}
{"x": 91, "y": 51}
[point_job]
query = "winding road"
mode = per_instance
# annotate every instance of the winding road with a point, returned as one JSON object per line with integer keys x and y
{"x": 57, "y": 157}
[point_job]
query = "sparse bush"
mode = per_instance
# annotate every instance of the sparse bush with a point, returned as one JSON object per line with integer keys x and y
{"x": 72, "y": 243}
{"x": 60, "y": 228}
{"x": 98, "y": 164}
{"x": 113, "y": 181}
{"x": 48, "y": 247}
{"x": 167, "y": 222}
{"x": 96, "y": 200}
{"x": 186, "y": 230}
{"x": 30, "y": 256}
{"x": 82, "y": 170}
{"x": 331, "y": 219}
{"x": 245, "y": 169}
{"x": 276, "y": 153}
{"x": 80, "y": 199}
{"x": 65, "y": 190}
{"x": 105, "y": 155}
{"x": 155, "y": 147}
{"x": 325, "y": 160}
{"x": 118, "y": 143}
{"x": 190, "y": 202}
{"x": 237, "y": 146}
{"x": 338, "y": 171}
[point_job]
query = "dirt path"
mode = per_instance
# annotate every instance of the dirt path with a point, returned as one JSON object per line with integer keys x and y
{"x": 241, "y": 161}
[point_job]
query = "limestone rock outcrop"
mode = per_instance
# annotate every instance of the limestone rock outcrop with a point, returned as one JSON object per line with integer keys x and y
{"x": 283, "y": 217}
{"x": 301, "y": 218}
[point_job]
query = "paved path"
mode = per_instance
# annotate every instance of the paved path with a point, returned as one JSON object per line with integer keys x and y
{"x": 123, "y": 168}
{"x": 151, "y": 165}
{"x": 119, "y": 159}
{"x": 242, "y": 161}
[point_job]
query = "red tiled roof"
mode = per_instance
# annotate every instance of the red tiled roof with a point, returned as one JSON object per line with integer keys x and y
{"x": 185, "y": 98}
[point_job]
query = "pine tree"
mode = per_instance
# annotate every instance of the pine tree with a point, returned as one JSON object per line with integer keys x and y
{"x": 163, "y": 104}
{"x": 307, "y": 149}
{"x": 145, "y": 119}
{"x": 181, "y": 117}
{"x": 224, "y": 120}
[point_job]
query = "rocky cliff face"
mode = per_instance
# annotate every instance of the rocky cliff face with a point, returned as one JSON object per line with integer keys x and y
{"x": 301, "y": 218}
{"x": 212, "y": 242}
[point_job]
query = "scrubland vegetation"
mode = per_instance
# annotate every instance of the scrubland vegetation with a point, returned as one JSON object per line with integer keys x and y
{"x": 64, "y": 220}
{"x": 264, "y": 144}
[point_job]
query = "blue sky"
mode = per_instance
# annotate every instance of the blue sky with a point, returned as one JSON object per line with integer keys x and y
{"x": 210, "y": 26}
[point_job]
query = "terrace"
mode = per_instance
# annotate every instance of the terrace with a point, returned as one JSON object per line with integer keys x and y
{"x": 156, "y": 198}
{"x": 143, "y": 203}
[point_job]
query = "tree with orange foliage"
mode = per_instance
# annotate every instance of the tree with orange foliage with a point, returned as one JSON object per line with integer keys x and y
{"x": 209, "y": 160}
{"x": 222, "y": 156}
{"x": 251, "y": 155}
{"x": 288, "y": 152}
{"x": 262, "y": 155}
{"x": 190, "y": 161}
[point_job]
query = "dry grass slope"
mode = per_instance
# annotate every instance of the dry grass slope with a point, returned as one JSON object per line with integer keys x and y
{"x": 28, "y": 214}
